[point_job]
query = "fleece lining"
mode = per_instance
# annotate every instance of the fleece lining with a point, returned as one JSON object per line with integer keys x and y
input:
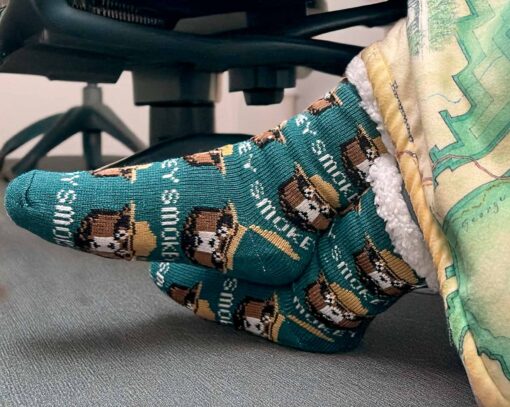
{"x": 387, "y": 182}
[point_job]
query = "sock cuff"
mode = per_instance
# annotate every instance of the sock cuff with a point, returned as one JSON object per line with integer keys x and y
{"x": 386, "y": 181}
{"x": 356, "y": 73}
{"x": 406, "y": 236}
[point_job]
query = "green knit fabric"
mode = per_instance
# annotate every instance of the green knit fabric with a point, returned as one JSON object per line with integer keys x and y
{"x": 254, "y": 210}
{"x": 277, "y": 235}
{"x": 353, "y": 276}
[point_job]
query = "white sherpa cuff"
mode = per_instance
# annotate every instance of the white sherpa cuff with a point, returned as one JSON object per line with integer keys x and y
{"x": 386, "y": 181}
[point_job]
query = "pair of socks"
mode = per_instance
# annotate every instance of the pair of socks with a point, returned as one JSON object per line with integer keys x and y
{"x": 288, "y": 218}
{"x": 353, "y": 276}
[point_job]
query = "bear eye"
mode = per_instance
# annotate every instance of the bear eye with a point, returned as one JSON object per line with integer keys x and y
{"x": 308, "y": 193}
{"x": 222, "y": 231}
{"x": 324, "y": 210}
{"x": 120, "y": 234}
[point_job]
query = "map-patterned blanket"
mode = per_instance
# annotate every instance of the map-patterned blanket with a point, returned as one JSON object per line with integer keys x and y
{"x": 442, "y": 82}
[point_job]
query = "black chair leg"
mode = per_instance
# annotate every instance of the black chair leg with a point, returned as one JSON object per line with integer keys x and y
{"x": 67, "y": 126}
{"x": 92, "y": 149}
{"x": 27, "y": 134}
{"x": 108, "y": 121}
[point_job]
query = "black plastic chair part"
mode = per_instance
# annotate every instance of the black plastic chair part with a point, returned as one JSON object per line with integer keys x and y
{"x": 96, "y": 40}
{"x": 50, "y": 29}
{"x": 92, "y": 118}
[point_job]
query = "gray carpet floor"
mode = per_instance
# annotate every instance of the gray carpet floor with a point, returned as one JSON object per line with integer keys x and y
{"x": 76, "y": 330}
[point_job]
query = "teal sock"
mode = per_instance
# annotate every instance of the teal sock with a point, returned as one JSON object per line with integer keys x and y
{"x": 354, "y": 275}
{"x": 254, "y": 210}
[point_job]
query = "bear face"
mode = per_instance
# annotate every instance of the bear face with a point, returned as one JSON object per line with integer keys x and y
{"x": 189, "y": 297}
{"x": 327, "y": 102}
{"x": 207, "y": 236}
{"x": 185, "y": 296}
{"x": 128, "y": 173}
{"x": 329, "y": 308}
{"x": 263, "y": 139}
{"x": 382, "y": 272}
{"x": 256, "y": 316}
{"x": 213, "y": 158}
{"x": 107, "y": 233}
{"x": 359, "y": 154}
{"x": 303, "y": 204}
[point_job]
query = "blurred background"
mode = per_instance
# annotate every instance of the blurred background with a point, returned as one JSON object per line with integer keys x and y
{"x": 25, "y": 99}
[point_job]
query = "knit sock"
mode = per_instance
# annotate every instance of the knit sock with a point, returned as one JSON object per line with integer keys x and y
{"x": 354, "y": 275}
{"x": 255, "y": 209}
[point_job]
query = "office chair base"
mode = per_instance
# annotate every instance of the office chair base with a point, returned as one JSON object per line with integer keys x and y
{"x": 91, "y": 119}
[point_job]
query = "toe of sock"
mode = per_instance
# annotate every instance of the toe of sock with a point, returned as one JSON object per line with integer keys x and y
{"x": 17, "y": 202}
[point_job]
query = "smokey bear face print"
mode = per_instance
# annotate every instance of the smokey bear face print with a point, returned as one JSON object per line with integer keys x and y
{"x": 273, "y": 135}
{"x": 359, "y": 154}
{"x": 184, "y": 296}
{"x": 213, "y": 158}
{"x": 256, "y": 316}
{"x": 107, "y": 233}
{"x": 382, "y": 272}
{"x": 189, "y": 297}
{"x": 303, "y": 204}
{"x": 330, "y": 100}
{"x": 208, "y": 234}
{"x": 331, "y": 308}
{"x": 128, "y": 173}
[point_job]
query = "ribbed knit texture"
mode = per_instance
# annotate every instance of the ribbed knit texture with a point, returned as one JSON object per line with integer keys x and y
{"x": 278, "y": 235}
{"x": 353, "y": 276}
{"x": 253, "y": 210}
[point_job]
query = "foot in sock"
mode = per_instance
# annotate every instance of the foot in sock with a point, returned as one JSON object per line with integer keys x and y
{"x": 254, "y": 209}
{"x": 354, "y": 275}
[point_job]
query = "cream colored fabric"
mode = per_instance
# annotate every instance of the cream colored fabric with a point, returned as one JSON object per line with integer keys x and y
{"x": 441, "y": 79}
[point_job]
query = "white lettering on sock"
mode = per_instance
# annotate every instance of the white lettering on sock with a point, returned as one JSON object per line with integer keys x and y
{"x": 257, "y": 190}
{"x": 66, "y": 197}
{"x": 169, "y": 220}
{"x": 345, "y": 271}
{"x": 280, "y": 224}
{"x": 172, "y": 166}
{"x": 163, "y": 268}
{"x": 226, "y": 301}
{"x": 265, "y": 206}
{"x": 308, "y": 129}
{"x": 301, "y": 119}
{"x": 309, "y": 317}
{"x": 70, "y": 178}
{"x": 307, "y": 243}
{"x": 63, "y": 216}
{"x": 244, "y": 147}
{"x": 270, "y": 213}
{"x": 295, "y": 236}
{"x": 330, "y": 166}
{"x": 248, "y": 165}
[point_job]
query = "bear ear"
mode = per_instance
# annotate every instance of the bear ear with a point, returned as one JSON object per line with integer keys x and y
{"x": 231, "y": 209}
{"x": 81, "y": 236}
{"x": 85, "y": 226}
{"x": 128, "y": 210}
{"x": 322, "y": 278}
{"x": 238, "y": 317}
